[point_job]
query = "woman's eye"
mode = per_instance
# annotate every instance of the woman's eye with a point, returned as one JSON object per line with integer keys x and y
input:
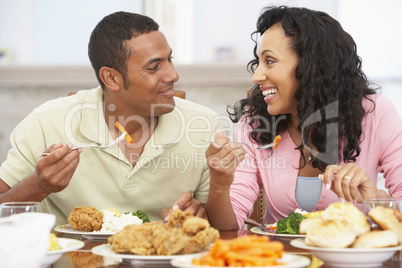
{"x": 270, "y": 61}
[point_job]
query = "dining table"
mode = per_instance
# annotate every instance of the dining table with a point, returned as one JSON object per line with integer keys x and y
{"x": 84, "y": 258}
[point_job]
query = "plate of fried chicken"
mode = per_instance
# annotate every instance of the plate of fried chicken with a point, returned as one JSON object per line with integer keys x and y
{"x": 95, "y": 224}
{"x": 67, "y": 229}
{"x": 182, "y": 235}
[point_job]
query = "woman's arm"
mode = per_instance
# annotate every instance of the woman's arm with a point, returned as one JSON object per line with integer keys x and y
{"x": 223, "y": 158}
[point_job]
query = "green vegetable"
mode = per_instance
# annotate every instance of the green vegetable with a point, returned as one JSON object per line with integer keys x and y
{"x": 289, "y": 225}
{"x": 140, "y": 214}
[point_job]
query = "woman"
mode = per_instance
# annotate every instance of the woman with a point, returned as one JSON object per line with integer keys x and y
{"x": 337, "y": 133}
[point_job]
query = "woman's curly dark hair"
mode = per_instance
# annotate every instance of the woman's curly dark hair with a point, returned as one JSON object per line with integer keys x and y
{"x": 331, "y": 87}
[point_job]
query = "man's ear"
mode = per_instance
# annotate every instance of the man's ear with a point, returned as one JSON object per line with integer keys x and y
{"x": 111, "y": 78}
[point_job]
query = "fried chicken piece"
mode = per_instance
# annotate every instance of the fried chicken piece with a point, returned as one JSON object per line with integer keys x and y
{"x": 200, "y": 234}
{"x": 169, "y": 240}
{"x": 84, "y": 259}
{"x": 135, "y": 239}
{"x": 177, "y": 217}
{"x": 85, "y": 219}
{"x": 183, "y": 234}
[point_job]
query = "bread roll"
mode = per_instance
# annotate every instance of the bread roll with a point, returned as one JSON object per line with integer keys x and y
{"x": 309, "y": 223}
{"x": 331, "y": 234}
{"x": 376, "y": 239}
{"x": 347, "y": 212}
{"x": 388, "y": 219}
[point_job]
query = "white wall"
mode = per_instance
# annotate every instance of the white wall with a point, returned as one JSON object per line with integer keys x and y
{"x": 48, "y": 32}
{"x": 228, "y": 24}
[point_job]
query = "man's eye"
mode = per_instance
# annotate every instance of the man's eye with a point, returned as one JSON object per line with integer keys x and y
{"x": 153, "y": 68}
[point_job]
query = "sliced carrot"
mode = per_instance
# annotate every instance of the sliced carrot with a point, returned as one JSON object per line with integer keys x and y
{"x": 121, "y": 128}
{"x": 277, "y": 140}
{"x": 272, "y": 227}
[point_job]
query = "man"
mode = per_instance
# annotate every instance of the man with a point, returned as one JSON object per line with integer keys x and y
{"x": 164, "y": 168}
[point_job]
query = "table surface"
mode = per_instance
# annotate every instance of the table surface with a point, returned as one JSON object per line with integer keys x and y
{"x": 84, "y": 258}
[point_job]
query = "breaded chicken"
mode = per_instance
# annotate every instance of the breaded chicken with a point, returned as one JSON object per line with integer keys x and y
{"x": 177, "y": 217}
{"x": 134, "y": 239}
{"x": 183, "y": 234}
{"x": 200, "y": 234}
{"x": 85, "y": 219}
{"x": 85, "y": 259}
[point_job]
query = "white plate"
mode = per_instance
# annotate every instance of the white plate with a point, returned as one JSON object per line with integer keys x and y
{"x": 104, "y": 250}
{"x": 281, "y": 237}
{"x": 349, "y": 257}
{"x": 67, "y": 229}
{"x": 291, "y": 260}
{"x": 66, "y": 244}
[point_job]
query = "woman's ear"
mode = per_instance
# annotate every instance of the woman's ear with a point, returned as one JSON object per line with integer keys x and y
{"x": 111, "y": 78}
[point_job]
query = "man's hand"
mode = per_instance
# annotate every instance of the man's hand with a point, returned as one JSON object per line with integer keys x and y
{"x": 54, "y": 171}
{"x": 52, "y": 174}
{"x": 186, "y": 202}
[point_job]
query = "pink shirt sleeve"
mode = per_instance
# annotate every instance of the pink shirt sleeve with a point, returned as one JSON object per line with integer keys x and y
{"x": 388, "y": 136}
{"x": 246, "y": 186}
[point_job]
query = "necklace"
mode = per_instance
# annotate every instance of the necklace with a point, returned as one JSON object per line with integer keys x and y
{"x": 309, "y": 156}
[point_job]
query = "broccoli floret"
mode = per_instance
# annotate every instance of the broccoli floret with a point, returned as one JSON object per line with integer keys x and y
{"x": 289, "y": 225}
{"x": 294, "y": 222}
{"x": 282, "y": 226}
{"x": 142, "y": 215}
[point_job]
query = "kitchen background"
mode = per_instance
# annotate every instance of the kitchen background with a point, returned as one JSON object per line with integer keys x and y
{"x": 43, "y": 47}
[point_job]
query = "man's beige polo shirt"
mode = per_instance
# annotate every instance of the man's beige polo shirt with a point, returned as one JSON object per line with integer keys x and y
{"x": 173, "y": 160}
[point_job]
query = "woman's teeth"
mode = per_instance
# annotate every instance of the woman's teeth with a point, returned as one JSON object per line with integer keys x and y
{"x": 269, "y": 92}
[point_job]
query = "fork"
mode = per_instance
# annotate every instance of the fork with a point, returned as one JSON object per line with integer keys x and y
{"x": 252, "y": 147}
{"x": 116, "y": 141}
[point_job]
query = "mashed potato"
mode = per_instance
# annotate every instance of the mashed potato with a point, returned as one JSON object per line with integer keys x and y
{"x": 114, "y": 221}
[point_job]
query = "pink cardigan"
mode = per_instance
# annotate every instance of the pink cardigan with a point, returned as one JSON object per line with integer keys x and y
{"x": 381, "y": 151}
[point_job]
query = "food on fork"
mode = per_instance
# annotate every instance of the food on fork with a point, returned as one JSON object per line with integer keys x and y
{"x": 86, "y": 219}
{"x": 183, "y": 234}
{"x": 121, "y": 128}
{"x": 277, "y": 140}
{"x": 243, "y": 251}
{"x": 388, "y": 219}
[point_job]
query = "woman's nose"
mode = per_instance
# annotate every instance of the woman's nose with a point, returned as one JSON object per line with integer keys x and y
{"x": 259, "y": 75}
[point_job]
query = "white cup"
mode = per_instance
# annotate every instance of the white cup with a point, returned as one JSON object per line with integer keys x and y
{"x": 11, "y": 208}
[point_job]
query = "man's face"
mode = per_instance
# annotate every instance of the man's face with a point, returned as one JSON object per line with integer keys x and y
{"x": 150, "y": 76}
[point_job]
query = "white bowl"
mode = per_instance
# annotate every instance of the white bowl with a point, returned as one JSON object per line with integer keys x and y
{"x": 66, "y": 244}
{"x": 349, "y": 257}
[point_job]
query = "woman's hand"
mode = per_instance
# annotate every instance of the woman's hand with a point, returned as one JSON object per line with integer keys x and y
{"x": 223, "y": 157}
{"x": 350, "y": 183}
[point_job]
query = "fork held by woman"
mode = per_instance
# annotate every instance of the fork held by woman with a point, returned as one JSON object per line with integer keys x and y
{"x": 274, "y": 144}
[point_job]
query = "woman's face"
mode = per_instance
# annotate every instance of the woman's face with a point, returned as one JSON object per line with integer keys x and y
{"x": 276, "y": 71}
